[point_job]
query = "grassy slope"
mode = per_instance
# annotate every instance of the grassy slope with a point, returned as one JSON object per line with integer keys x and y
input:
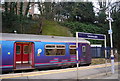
{"x": 53, "y": 28}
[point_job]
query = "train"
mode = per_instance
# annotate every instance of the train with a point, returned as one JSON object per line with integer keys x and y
{"x": 28, "y": 51}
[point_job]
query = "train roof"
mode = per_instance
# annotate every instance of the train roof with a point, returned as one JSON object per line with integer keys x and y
{"x": 31, "y": 37}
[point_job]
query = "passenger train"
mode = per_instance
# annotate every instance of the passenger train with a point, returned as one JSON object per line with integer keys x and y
{"x": 26, "y": 51}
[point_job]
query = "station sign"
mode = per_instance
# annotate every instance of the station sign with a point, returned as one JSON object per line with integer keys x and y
{"x": 91, "y": 36}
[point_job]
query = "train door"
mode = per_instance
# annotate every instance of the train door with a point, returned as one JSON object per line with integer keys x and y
{"x": 83, "y": 58}
{"x": 18, "y": 53}
{"x": 24, "y": 55}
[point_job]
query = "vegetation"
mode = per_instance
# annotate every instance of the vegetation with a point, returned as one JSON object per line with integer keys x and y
{"x": 101, "y": 61}
{"x": 82, "y": 27}
{"x": 53, "y": 28}
{"x": 115, "y": 14}
{"x": 98, "y": 61}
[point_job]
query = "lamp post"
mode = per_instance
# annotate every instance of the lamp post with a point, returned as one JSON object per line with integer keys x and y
{"x": 110, "y": 32}
{"x": 111, "y": 39}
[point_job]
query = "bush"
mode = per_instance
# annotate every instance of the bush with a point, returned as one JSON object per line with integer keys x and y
{"x": 83, "y": 27}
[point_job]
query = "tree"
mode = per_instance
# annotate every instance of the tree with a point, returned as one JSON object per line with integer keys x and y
{"x": 41, "y": 17}
{"x": 116, "y": 26}
{"x": 115, "y": 12}
{"x": 83, "y": 12}
{"x": 27, "y": 8}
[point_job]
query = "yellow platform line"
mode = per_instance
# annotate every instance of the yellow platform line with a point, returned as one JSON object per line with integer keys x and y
{"x": 51, "y": 72}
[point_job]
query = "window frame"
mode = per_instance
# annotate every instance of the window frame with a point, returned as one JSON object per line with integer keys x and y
{"x": 70, "y": 48}
{"x": 20, "y": 49}
{"x": 84, "y": 48}
{"x": 84, "y": 52}
{"x": 27, "y": 50}
{"x": 49, "y": 44}
{"x": 56, "y": 49}
{"x": 61, "y": 45}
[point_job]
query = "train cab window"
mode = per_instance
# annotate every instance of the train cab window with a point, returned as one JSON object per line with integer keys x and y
{"x": 72, "y": 49}
{"x": 84, "y": 50}
{"x": 26, "y": 49}
{"x": 54, "y": 50}
{"x": 18, "y": 49}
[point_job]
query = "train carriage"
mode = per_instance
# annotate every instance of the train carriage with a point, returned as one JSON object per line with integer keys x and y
{"x": 23, "y": 51}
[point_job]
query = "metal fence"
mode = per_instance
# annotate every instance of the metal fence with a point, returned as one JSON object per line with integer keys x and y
{"x": 99, "y": 52}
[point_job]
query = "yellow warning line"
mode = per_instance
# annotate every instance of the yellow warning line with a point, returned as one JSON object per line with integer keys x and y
{"x": 51, "y": 71}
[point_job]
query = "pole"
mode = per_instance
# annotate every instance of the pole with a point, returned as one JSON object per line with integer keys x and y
{"x": 111, "y": 41}
{"x": 105, "y": 54}
{"x": 77, "y": 53}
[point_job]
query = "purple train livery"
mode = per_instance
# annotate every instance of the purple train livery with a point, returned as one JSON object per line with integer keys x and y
{"x": 26, "y": 51}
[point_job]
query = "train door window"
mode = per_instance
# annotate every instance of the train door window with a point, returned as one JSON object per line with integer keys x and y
{"x": 26, "y": 49}
{"x": 72, "y": 49}
{"x": 18, "y": 49}
{"x": 50, "y": 50}
{"x": 60, "y": 49}
{"x": 84, "y": 50}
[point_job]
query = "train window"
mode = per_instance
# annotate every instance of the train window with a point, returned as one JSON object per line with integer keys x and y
{"x": 54, "y": 50}
{"x": 18, "y": 49}
{"x": 72, "y": 49}
{"x": 60, "y": 49}
{"x": 50, "y": 46}
{"x": 84, "y": 50}
{"x": 26, "y": 49}
{"x": 60, "y": 46}
{"x": 73, "y": 46}
{"x": 50, "y": 52}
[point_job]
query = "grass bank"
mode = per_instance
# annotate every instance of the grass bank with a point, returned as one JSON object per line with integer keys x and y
{"x": 53, "y": 28}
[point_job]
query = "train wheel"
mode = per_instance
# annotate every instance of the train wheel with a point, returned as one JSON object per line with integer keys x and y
{"x": 87, "y": 64}
{"x": 62, "y": 67}
{"x": 72, "y": 66}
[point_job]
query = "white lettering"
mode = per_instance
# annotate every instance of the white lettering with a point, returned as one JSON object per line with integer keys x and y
{"x": 92, "y": 36}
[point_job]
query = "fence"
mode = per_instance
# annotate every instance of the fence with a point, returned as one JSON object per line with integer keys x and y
{"x": 98, "y": 52}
